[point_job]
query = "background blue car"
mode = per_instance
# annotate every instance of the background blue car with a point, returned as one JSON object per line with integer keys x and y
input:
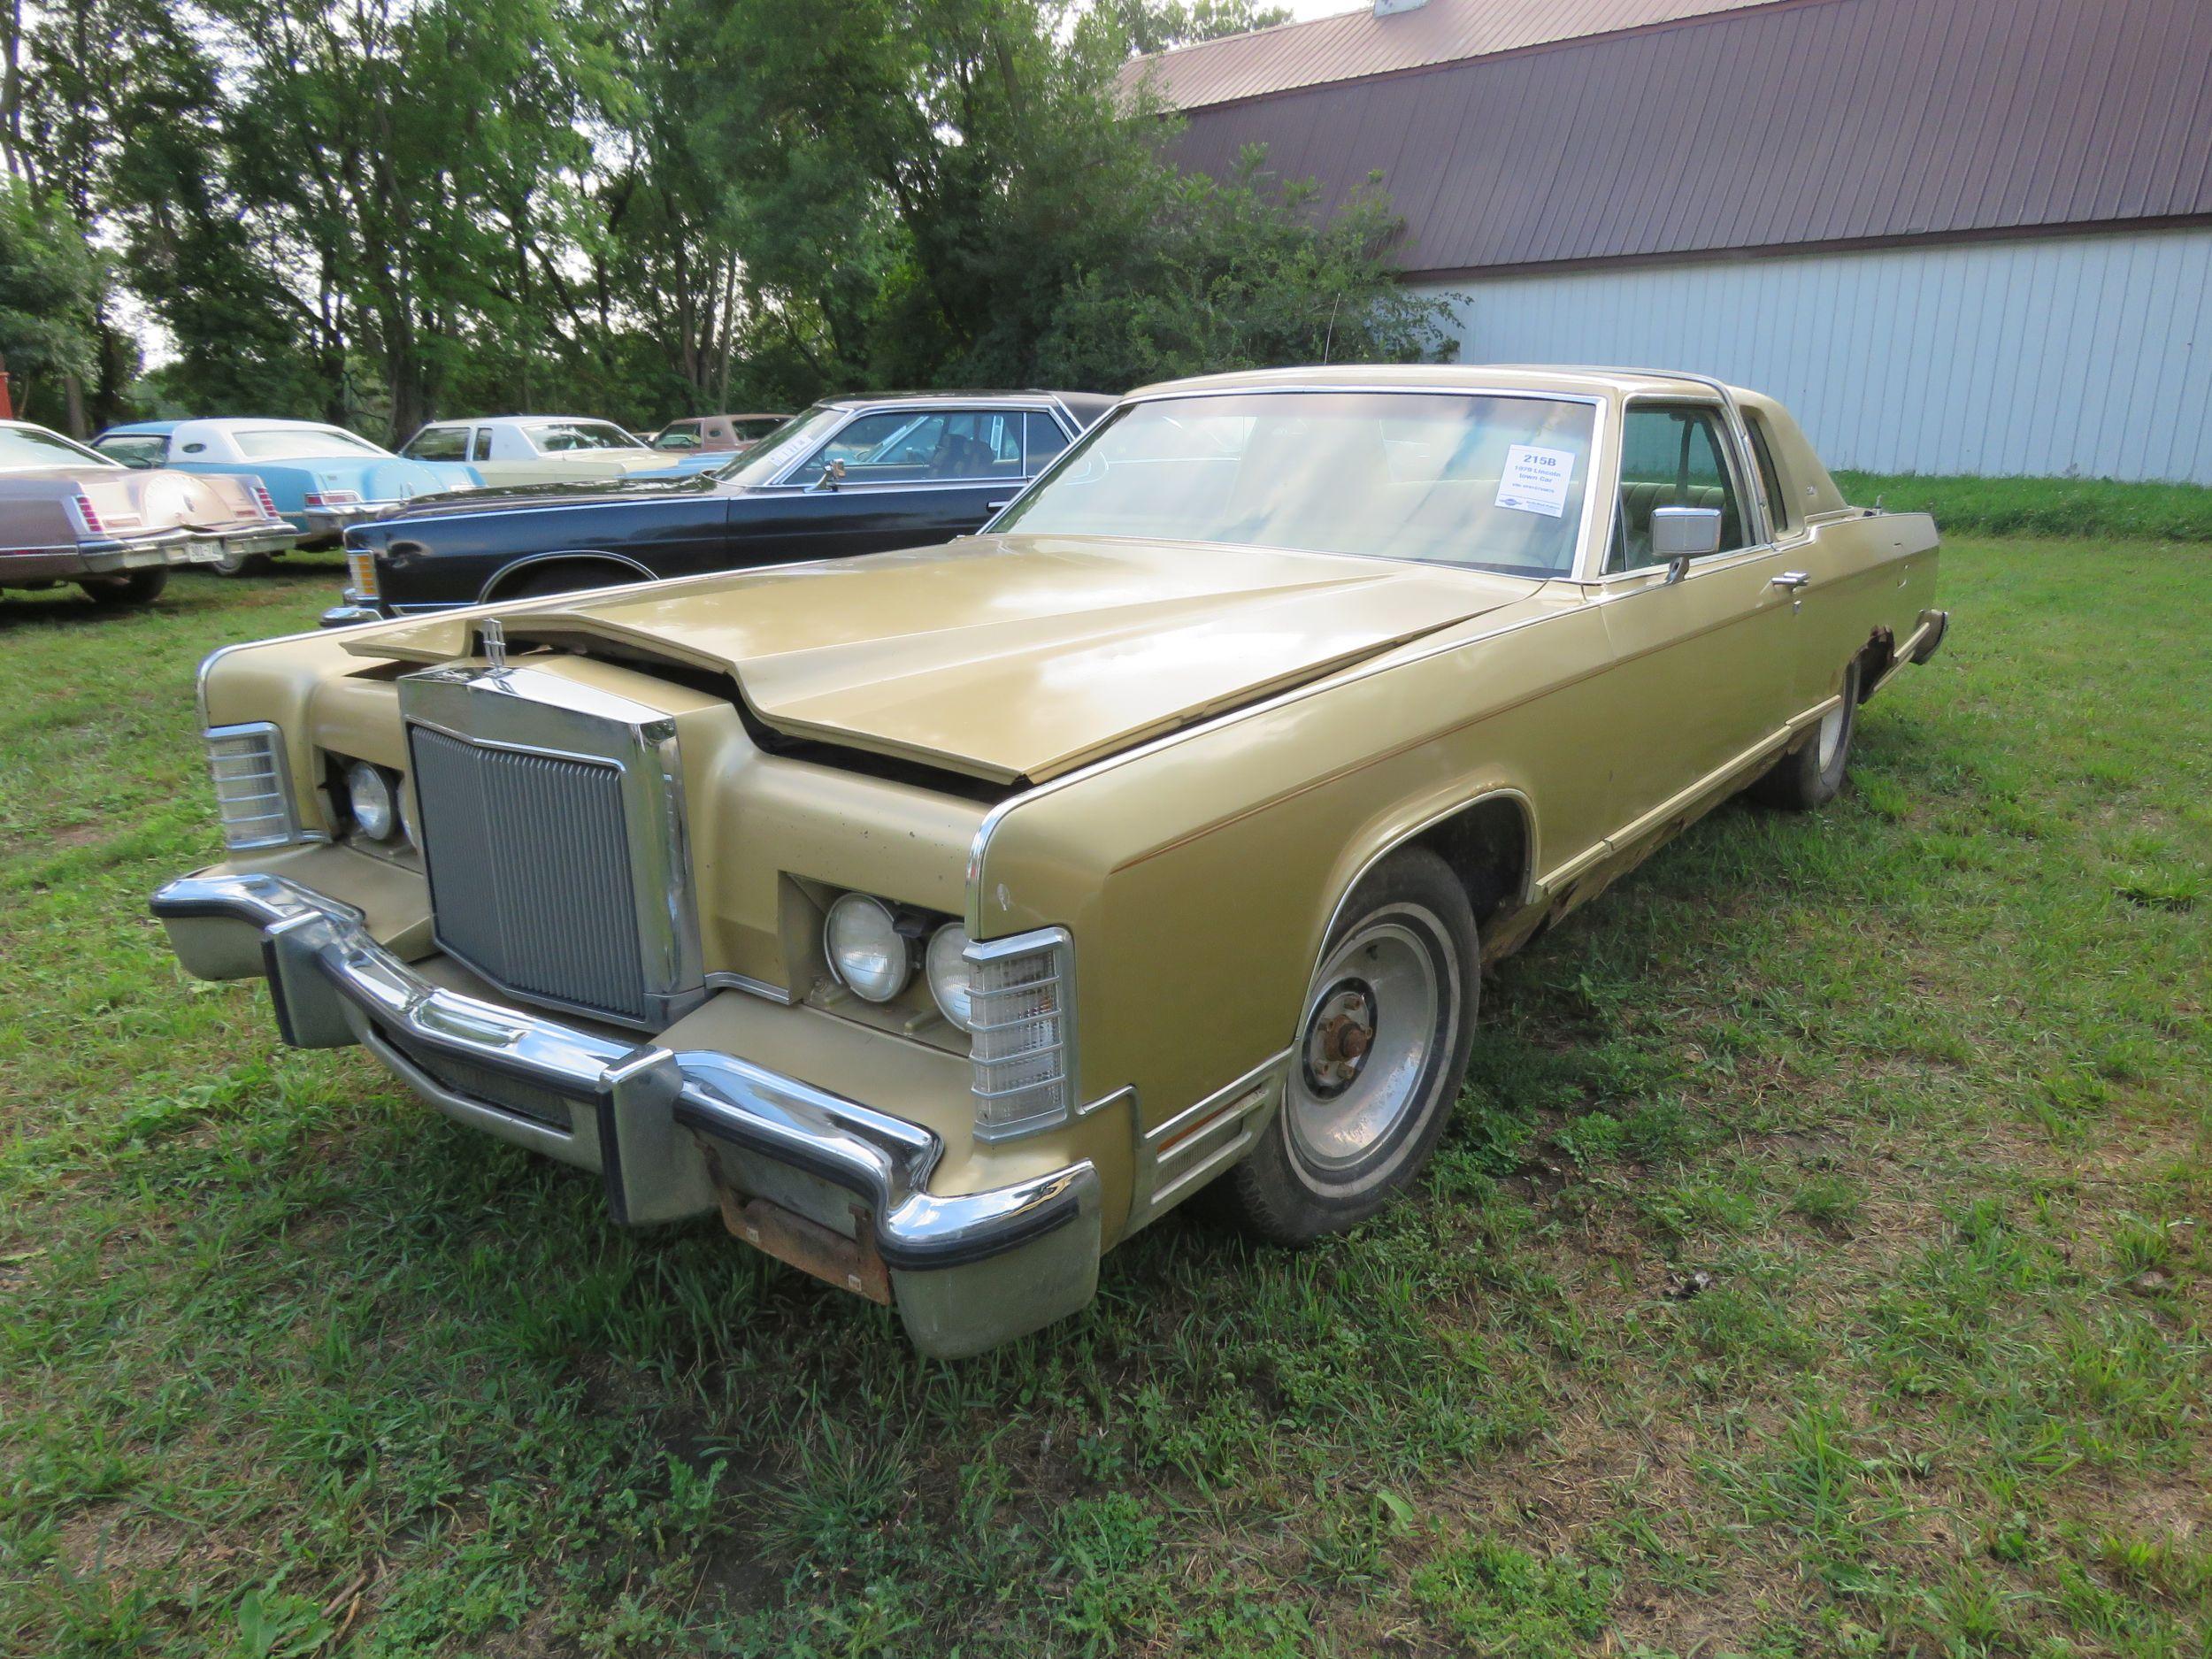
{"x": 321, "y": 477}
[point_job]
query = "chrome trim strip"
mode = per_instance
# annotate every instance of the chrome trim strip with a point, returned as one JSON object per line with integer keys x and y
{"x": 722, "y": 979}
{"x": 1625, "y": 837}
{"x": 884, "y": 1161}
{"x": 1176, "y": 1159}
{"x": 1496, "y": 792}
{"x": 483, "y": 593}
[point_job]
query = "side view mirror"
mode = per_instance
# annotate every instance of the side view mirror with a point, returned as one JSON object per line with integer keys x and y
{"x": 1679, "y": 534}
{"x": 834, "y": 474}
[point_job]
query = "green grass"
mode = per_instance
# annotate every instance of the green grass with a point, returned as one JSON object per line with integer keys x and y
{"x": 2099, "y": 509}
{"x": 1922, "y": 1084}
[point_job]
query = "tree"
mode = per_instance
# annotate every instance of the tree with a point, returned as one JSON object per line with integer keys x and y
{"x": 50, "y": 283}
{"x": 952, "y": 192}
{"x": 1155, "y": 26}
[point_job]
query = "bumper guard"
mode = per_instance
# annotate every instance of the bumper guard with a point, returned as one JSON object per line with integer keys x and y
{"x": 966, "y": 1272}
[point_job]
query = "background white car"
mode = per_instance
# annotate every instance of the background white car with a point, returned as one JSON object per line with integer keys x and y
{"x": 534, "y": 449}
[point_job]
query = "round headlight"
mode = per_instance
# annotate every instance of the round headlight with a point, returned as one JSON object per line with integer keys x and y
{"x": 865, "y": 948}
{"x": 950, "y": 978}
{"x": 369, "y": 793}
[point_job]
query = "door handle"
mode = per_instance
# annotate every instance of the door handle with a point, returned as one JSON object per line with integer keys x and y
{"x": 1791, "y": 579}
{"x": 993, "y": 506}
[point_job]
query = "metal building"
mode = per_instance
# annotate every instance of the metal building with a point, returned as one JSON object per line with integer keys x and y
{"x": 1955, "y": 235}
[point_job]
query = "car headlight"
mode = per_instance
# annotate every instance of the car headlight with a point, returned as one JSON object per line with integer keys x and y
{"x": 866, "y": 951}
{"x": 369, "y": 795}
{"x": 951, "y": 979}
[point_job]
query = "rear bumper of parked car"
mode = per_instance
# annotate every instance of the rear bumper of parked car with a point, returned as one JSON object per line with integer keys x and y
{"x": 837, "y": 1187}
{"x": 113, "y": 556}
{"x": 243, "y": 540}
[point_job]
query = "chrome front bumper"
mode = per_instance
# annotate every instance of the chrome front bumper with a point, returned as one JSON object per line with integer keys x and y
{"x": 966, "y": 1272}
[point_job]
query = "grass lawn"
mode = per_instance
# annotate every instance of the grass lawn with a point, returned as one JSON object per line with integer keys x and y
{"x": 1817, "y": 1264}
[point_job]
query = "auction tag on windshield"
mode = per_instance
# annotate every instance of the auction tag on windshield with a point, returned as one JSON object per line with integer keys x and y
{"x": 1535, "y": 479}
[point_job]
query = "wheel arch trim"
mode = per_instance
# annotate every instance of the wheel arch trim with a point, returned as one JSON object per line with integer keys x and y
{"x": 485, "y": 595}
{"x": 1406, "y": 833}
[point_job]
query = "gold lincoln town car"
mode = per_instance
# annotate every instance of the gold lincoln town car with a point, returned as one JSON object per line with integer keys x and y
{"x": 941, "y": 917}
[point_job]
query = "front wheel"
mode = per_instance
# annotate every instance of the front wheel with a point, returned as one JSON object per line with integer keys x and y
{"x": 132, "y": 588}
{"x": 1811, "y": 776}
{"x": 1380, "y": 1050}
{"x": 242, "y": 563}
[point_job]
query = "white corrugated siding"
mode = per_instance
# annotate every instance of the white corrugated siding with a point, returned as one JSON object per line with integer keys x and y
{"x": 2087, "y": 355}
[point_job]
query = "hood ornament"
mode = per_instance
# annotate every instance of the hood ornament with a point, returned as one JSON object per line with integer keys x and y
{"x": 493, "y": 635}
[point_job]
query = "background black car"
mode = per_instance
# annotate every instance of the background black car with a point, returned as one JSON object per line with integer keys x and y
{"x": 850, "y": 476}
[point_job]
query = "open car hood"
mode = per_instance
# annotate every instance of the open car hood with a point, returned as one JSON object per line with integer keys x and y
{"x": 1008, "y": 658}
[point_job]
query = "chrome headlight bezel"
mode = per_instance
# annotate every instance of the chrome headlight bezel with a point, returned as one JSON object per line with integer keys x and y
{"x": 894, "y": 944}
{"x": 371, "y": 800}
{"x": 951, "y": 976}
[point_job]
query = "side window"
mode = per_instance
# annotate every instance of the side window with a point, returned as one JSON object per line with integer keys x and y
{"x": 923, "y": 446}
{"x": 1045, "y": 440}
{"x": 1781, "y": 511}
{"x": 891, "y": 446}
{"x": 134, "y": 450}
{"x": 438, "y": 444}
{"x": 482, "y": 448}
{"x": 1672, "y": 455}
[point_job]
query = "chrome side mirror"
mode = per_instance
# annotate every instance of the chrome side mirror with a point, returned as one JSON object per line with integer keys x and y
{"x": 832, "y": 475}
{"x": 1679, "y": 534}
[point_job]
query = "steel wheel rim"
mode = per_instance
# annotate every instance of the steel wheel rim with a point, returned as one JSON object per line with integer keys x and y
{"x": 1381, "y": 980}
{"x": 1832, "y": 733}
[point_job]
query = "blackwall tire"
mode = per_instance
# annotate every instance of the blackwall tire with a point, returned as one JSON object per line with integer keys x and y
{"x": 1377, "y": 1060}
{"x": 132, "y": 588}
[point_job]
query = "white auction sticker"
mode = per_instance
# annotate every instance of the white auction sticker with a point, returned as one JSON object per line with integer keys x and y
{"x": 1536, "y": 480}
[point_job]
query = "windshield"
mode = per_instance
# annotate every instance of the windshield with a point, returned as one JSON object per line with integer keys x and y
{"x": 787, "y": 443}
{"x": 1486, "y": 481}
{"x": 22, "y": 447}
{"x": 559, "y": 437}
{"x": 291, "y": 443}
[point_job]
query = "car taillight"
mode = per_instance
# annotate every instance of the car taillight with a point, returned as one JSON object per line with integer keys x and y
{"x": 361, "y": 572}
{"x": 265, "y": 501}
{"x": 334, "y": 497}
{"x": 87, "y": 515}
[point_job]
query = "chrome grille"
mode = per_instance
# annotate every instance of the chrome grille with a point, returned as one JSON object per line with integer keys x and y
{"x": 530, "y": 873}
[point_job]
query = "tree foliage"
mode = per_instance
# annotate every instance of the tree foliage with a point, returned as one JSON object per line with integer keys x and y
{"x": 384, "y": 210}
{"x": 50, "y": 283}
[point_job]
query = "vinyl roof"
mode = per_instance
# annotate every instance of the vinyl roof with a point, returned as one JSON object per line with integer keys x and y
{"x": 1800, "y": 122}
{"x": 1357, "y": 43}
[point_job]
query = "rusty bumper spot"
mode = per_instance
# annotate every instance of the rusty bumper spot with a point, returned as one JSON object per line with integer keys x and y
{"x": 849, "y": 1264}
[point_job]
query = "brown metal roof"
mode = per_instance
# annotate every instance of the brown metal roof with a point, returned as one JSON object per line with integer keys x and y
{"x": 1357, "y": 43}
{"x": 1809, "y": 121}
